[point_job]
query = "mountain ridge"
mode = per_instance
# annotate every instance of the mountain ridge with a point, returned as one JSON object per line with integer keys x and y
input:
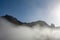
{"x": 17, "y": 22}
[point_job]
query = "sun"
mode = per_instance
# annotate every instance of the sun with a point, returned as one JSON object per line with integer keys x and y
{"x": 56, "y": 11}
{"x": 55, "y": 14}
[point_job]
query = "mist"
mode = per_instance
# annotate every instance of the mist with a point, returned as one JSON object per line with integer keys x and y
{"x": 10, "y": 31}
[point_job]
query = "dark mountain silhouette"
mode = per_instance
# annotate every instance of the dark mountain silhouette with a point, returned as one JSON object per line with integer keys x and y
{"x": 12, "y": 20}
{"x": 52, "y": 25}
{"x": 17, "y": 22}
{"x": 41, "y": 23}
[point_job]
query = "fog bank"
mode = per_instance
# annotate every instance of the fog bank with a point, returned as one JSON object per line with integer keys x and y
{"x": 10, "y": 31}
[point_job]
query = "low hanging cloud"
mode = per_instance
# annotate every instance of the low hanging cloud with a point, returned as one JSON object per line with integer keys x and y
{"x": 12, "y": 30}
{"x": 24, "y": 31}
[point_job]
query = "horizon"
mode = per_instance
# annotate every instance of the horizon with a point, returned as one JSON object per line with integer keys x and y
{"x": 32, "y": 10}
{"x": 20, "y": 22}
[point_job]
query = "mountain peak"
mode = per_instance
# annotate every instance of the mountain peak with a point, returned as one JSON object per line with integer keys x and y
{"x": 12, "y": 19}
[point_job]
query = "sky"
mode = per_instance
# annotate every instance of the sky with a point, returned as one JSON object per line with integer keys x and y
{"x": 32, "y": 10}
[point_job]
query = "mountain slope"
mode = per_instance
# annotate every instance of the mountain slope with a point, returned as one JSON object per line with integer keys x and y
{"x": 17, "y": 22}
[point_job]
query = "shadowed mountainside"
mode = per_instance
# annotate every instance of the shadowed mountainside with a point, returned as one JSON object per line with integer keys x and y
{"x": 12, "y": 20}
{"x": 17, "y": 22}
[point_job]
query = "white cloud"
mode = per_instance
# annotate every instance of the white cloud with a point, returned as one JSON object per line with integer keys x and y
{"x": 12, "y": 32}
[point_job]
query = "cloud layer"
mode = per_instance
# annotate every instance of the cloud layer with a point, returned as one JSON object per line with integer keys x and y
{"x": 9, "y": 31}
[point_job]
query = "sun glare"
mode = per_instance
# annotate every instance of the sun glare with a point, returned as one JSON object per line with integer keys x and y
{"x": 56, "y": 11}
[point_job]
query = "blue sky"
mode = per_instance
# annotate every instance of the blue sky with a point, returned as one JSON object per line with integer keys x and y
{"x": 32, "y": 10}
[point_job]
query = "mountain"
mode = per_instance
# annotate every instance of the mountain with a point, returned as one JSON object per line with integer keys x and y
{"x": 17, "y": 22}
{"x": 41, "y": 23}
{"x": 12, "y": 19}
